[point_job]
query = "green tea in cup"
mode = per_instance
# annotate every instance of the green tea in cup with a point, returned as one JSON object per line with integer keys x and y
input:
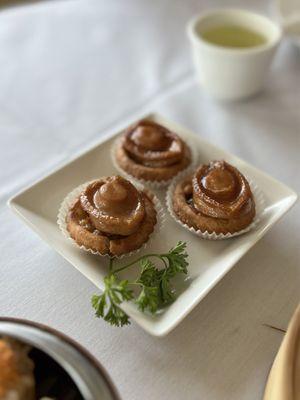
{"x": 233, "y": 36}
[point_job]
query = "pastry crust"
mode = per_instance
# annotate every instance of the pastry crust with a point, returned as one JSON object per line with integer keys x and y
{"x": 190, "y": 214}
{"x": 149, "y": 163}
{"x": 83, "y": 231}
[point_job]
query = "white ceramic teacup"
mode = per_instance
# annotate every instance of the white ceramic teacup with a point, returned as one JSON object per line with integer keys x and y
{"x": 232, "y": 73}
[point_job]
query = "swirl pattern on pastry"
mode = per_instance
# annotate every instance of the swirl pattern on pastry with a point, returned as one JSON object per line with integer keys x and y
{"x": 216, "y": 198}
{"x": 112, "y": 217}
{"x": 151, "y": 152}
{"x": 114, "y": 205}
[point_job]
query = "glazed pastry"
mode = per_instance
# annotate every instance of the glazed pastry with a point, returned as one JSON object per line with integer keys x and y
{"x": 112, "y": 217}
{"x": 151, "y": 152}
{"x": 216, "y": 198}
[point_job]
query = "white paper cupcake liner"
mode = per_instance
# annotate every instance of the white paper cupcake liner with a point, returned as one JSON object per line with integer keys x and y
{"x": 155, "y": 184}
{"x": 73, "y": 195}
{"x": 259, "y": 206}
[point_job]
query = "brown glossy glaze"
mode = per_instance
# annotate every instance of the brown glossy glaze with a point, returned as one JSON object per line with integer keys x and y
{"x": 151, "y": 152}
{"x": 116, "y": 197}
{"x": 216, "y": 198}
{"x": 112, "y": 217}
{"x": 153, "y": 145}
{"x": 150, "y": 137}
{"x": 220, "y": 190}
{"x": 114, "y": 205}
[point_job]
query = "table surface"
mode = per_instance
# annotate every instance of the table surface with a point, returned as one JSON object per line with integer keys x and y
{"x": 74, "y": 70}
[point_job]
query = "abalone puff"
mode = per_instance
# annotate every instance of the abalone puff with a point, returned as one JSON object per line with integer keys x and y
{"x": 112, "y": 217}
{"x": 151, "y": 152}
{"x": 215, "y": 198}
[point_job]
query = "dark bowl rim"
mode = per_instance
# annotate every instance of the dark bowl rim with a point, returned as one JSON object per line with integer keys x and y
{"x": 99, "y": 367}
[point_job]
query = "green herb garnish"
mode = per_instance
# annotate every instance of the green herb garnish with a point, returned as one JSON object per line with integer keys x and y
{"x": 154, "y": 284}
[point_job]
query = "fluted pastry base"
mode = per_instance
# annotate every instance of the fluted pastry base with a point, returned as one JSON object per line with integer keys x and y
{"x": 218, "y": 234}
{"x": 193, "y": 218}
{"x": 105, "y": 243}
{"x": 101, "y": 243}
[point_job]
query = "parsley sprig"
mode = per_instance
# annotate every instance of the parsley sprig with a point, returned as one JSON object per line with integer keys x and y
{"x": 154, "y": 285}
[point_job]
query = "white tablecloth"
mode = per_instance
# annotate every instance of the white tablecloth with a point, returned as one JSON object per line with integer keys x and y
{"x": 72, "y": 70}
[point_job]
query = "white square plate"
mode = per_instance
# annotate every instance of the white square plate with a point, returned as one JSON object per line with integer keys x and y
{"x": 209, "y": 261}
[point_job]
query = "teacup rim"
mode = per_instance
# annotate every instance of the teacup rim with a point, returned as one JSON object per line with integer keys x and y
{"x": 196, "y": 38}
